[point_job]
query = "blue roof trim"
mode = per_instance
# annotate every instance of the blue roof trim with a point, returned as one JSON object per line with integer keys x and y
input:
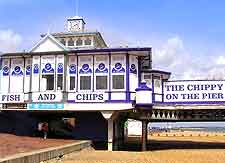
{"x": 111, "y": 50}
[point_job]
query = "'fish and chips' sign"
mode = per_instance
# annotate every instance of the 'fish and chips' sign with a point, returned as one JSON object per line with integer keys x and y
{"x": 194, "y": 91}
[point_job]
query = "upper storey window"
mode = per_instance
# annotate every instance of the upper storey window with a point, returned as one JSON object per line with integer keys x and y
{"x": 63, "y": 41}
{"x": 72, "y": 71}
{"x": 48, "y": 73}
{"x": 101, "y": 72}
{"x": 47, "y": 77}
{"x": 71, "y": 42}
{"x": 87, "y": 41}
{"x": 79, "y": 42}
{"x": 118, "y": 72}
{"x": 85, "y": 73}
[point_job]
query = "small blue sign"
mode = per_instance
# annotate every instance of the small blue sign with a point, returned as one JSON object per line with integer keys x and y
{"x": 46, "y": 106}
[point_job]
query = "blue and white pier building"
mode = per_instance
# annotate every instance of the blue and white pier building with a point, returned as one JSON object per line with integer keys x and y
{"x": 76, "y": 72}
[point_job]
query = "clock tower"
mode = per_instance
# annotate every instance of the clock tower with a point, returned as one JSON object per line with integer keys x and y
{"x": 75, "y": 24}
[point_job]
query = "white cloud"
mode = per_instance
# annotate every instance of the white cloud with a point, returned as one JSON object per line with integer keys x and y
{"x": 9, "y": 41}
{"x": 173, "y": 56}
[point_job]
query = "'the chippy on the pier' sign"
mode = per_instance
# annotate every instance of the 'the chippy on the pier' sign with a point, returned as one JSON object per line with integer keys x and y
{"x": 194, "y": 91}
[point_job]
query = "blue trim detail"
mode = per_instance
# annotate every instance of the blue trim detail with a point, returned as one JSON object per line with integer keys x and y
{"x": 110, "y": 77}
{"x": 139, "y": 71}
{"x": 127, "y": 78}
{"x": 133, "y": 69}
{"x": 191, "y": 80}
{"x": 106, "y": 101}
{"x": 6, "y": 71}
{"x": 118, "y": 68}
{"x": 72, "y": 69}
{"x": 85, "y": 69}
{"x": 101, "y": 68}
{"x": 162, "y": 90}
{"x": 17, "y": 71}
{"x": 36, "y": 69}
{"x": 77, "y": 77}
{"x": 93, "y": 78}
{"x": 111, "y": 50}
{"x": 60, "y": 68}
{"x": 28, "y": 69}
{"x": 48, "y": 69}
{"x": 143, "y": 87}
{"x": 192, "y": 102}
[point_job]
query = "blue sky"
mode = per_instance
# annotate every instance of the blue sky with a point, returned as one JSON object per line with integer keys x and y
{"x": 185, "y": 35}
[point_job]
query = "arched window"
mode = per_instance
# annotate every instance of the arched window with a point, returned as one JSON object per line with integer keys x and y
{"x": 79, "y": 42}
{"x": 87, "y": 41}
{"x": 71, "y": 42}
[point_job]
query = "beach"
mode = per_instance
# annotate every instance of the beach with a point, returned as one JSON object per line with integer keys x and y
{"x": 161, "y": 149}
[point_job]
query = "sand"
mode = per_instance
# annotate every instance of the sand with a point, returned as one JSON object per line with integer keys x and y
{"x": 170, "y": 149}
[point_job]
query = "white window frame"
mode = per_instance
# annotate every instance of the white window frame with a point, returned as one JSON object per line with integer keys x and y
{"x": 54, "y": 74}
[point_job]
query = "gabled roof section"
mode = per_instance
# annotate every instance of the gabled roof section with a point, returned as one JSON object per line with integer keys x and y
{"x": 48, "y": 44}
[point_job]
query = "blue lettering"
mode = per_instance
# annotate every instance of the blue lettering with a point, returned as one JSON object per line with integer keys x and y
{"x": 100, "y": 97}
{"x": 171, "y": 96}
{"x": 79, "y": 97}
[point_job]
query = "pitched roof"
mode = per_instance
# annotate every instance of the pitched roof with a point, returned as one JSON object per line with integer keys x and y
{"x": 49, "y": 36}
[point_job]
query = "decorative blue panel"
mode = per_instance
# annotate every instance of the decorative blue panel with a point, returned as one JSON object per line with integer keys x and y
{"x": 60, "y": 68}
{"x": 72, "y": 69}
{"x": 118, "y": 68}
{"x": 28, "y": 70}
{"x": 36, "y": 69}
{"x": 17, "y": 71}
{"x": 133, "y": 69}
{"x": 5, "y": 71}
{"x": 85, "y": 69}
{"x": 48, "y": 69}
{"x": 101, "y": 68}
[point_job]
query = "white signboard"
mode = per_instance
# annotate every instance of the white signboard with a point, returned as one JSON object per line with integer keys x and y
{"x": 12, "y": 98}
{"x": 47, "y": 97}
{"x": 194, "y": 91}
{"x": 87, "y": 97}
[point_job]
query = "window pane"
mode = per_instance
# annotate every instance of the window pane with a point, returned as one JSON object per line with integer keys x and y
{"x": 101, "y": 82}
{"x": 49, "y": 82}
{"x": 79, "y": 42}
{"x": 87, "y": 41}
{"x": 63, "y": 42}
{"x": 85, "y": 82}
{"x": 70, "y": 42}
{"x": 59, "y": 82}
{"x": 118, "y": 81}
{"x": 72, "y": 82}
{"x": 148, "y": 79}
